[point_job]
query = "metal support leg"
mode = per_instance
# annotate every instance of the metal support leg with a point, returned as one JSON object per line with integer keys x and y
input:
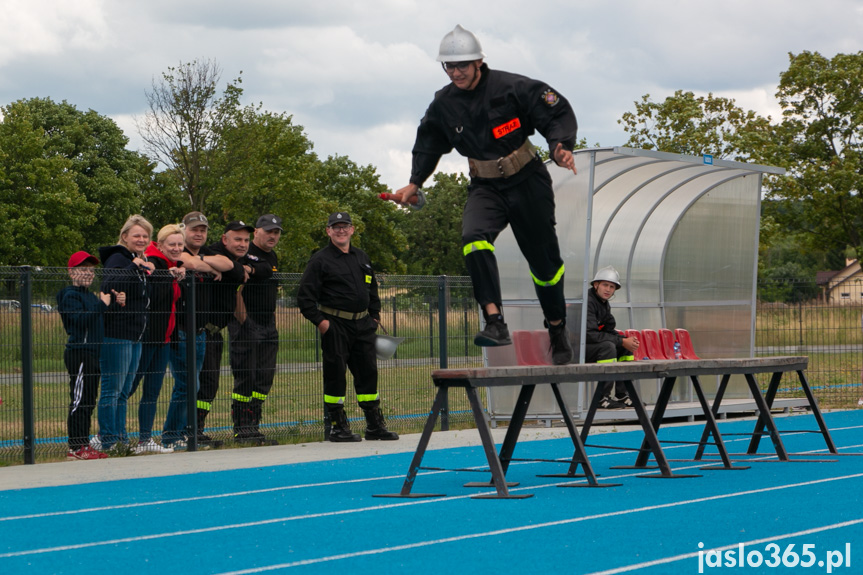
{"x": 497, "y": 473}
{"x": 711, "y": 427}
{"x": 440, "y": 400}
{"x": 519, "y": 412}
{"x": 652, "y": 439}
{"x": 765, "y": 418}
{"x": 813, "y": 403}
{"x": 717, "y": 401}
{"x": 656, "y": 421}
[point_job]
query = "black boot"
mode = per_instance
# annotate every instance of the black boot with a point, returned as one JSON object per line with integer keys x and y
{"x": 203, "y": 438}
{"x": 495, "y": 333}
{"x": 242, "y": 416}
{"x": 256, "y": 408}
{"x": 375, "y": 426}
{"x": 340, "y": 429}
{"x": 561, "y": 349}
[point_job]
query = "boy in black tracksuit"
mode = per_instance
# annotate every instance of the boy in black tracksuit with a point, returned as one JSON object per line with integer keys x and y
{"x": 82, "y": 314}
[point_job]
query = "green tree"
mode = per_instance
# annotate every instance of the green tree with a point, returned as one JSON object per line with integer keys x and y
{"x": 183, "y": 123}
{"x": 265, "y": 164}
{"x": 690, "y": 125}
{"x": 345, "y": 186}
{"x": 68, "y": 181}
{"x": 820, "y": 143}
{"x": 434, "y": 233}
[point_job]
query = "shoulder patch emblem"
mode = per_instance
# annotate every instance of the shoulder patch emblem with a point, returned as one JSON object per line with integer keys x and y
{"x": 550, "y": 98}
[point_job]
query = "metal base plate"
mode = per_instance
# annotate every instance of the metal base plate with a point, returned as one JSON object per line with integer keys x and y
{"x": 409, "y": 495}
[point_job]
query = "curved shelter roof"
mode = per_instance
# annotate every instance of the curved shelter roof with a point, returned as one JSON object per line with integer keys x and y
{"x": 681, "y": 230}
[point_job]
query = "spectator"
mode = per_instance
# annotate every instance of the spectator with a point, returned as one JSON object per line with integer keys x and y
{"x": 233, "y": 245}
{"x": 207, "y": 266}
{"x": 161, "y": 321}
{"x": 126, "y": 270}
{"x": 254, "y": 337}
{"x": 339, "y": 294}
{"x": 82, "y": 314}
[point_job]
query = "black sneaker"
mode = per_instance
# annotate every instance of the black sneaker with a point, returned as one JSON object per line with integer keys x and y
{"x": 495, "y": 334}
{"x": 627, "y": 401}
{"x": 561, "y": 349}
{"x": 608, "y": 403}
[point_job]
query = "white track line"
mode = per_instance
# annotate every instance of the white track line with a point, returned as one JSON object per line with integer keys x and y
{"x": 528, "y": 527}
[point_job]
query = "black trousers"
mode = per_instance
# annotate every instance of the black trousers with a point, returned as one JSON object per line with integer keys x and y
{"x": 84, "y": 375}
{"x": 607, "y": 350}
{"x": 350, "y": 344}
{"x": 528, "y": 208}
{"x": 253, "y": 351}
{"x": 211, "y": 370}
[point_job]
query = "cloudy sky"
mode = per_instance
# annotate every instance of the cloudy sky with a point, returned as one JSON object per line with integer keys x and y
{"x": 359, "y": 75}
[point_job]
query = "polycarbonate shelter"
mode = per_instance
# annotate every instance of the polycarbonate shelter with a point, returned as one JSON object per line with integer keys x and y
{"x": 681, "y": 230}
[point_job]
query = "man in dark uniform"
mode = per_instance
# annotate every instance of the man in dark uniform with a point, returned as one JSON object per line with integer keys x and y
{"x": 487, "y": 116}
{"x": 254, "y": 338}
{"x": 339, "y": 294}
{"x": 603, "y": 343}
{"x": 233, "y": 245}
{"x": 210, "y": 267}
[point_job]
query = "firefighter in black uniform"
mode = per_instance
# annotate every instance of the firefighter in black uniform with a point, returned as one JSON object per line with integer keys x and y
{"x": 254, "y": 337}
{"x": 487, "y": 116}
{"x": 234, "y": 244}
{"x": 603, "y": 343}
{"x": 339, "y": 294}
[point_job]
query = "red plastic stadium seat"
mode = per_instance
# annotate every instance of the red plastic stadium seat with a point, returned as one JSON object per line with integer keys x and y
{"x": 666, "y": 337}
{"x": 637, "y": 335}
{"x": 686, "y": 349}
{"x": 531, "y": 347}
{"x": 542, "y": 347}
{"x": 650, "y": 346}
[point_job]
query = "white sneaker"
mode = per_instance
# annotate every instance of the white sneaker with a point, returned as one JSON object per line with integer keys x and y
{"x": 151, "y": 446}
{"x": 96, "y": 443}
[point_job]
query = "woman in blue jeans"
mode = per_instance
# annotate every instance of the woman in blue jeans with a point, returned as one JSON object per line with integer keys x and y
{"x": 126, "y": 269}
{"x": 161, "y": 323}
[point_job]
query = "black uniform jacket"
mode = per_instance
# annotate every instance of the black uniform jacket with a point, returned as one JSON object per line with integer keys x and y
{"x": 343, "y": 281}
{"x": 600, "y": 322}
{"x": 262, "y": 289}
{"x": 491, "y": 121}
{"x": 223, "y": 294}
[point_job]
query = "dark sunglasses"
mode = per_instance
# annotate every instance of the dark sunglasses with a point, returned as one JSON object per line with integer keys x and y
{"x": 453, "y": 66}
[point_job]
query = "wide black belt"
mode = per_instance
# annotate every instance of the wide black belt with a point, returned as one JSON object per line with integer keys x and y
{"x": 343, "y": 314}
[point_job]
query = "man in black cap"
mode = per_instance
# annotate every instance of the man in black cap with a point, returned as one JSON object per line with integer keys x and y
{"x": 339, "y": 294}
{"x": 254, "y": 338}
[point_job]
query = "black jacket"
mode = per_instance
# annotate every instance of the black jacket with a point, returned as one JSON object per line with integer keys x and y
{"x": 262, "y": 289}
{"x": 491, "y": 121}
{"x": 223, "y": 294}
{"x": 121, "y": 274}
{"x": 600, "y": 323}
{"x": 344, "y": 281}
{"x": 82, "y": 313}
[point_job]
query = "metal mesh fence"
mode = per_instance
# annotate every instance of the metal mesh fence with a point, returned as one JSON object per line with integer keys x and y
{"x": 33, "y": 416}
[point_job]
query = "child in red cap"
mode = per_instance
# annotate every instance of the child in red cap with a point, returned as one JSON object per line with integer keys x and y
{"x": 82, "y": 313}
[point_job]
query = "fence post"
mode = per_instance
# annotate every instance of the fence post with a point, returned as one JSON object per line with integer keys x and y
{"x": 444, "y": 354}
{"x": 27, "y": 399}
{"x": 191, "y": 364}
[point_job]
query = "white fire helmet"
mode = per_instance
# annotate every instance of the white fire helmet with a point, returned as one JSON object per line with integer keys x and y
{"x": 607, "y": 274}
{"x": 460, "y": 45}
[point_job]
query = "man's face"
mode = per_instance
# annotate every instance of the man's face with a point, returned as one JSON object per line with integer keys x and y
{"x": 236, "y": 242}
{"x": 604, "y": 289}
{"x": 82, "y": 276}
{"x": 340, "y": 235}
{"x": 464, "y": 75}
{"x": 267, "y": 239}
{"x": 196, "y": 237}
